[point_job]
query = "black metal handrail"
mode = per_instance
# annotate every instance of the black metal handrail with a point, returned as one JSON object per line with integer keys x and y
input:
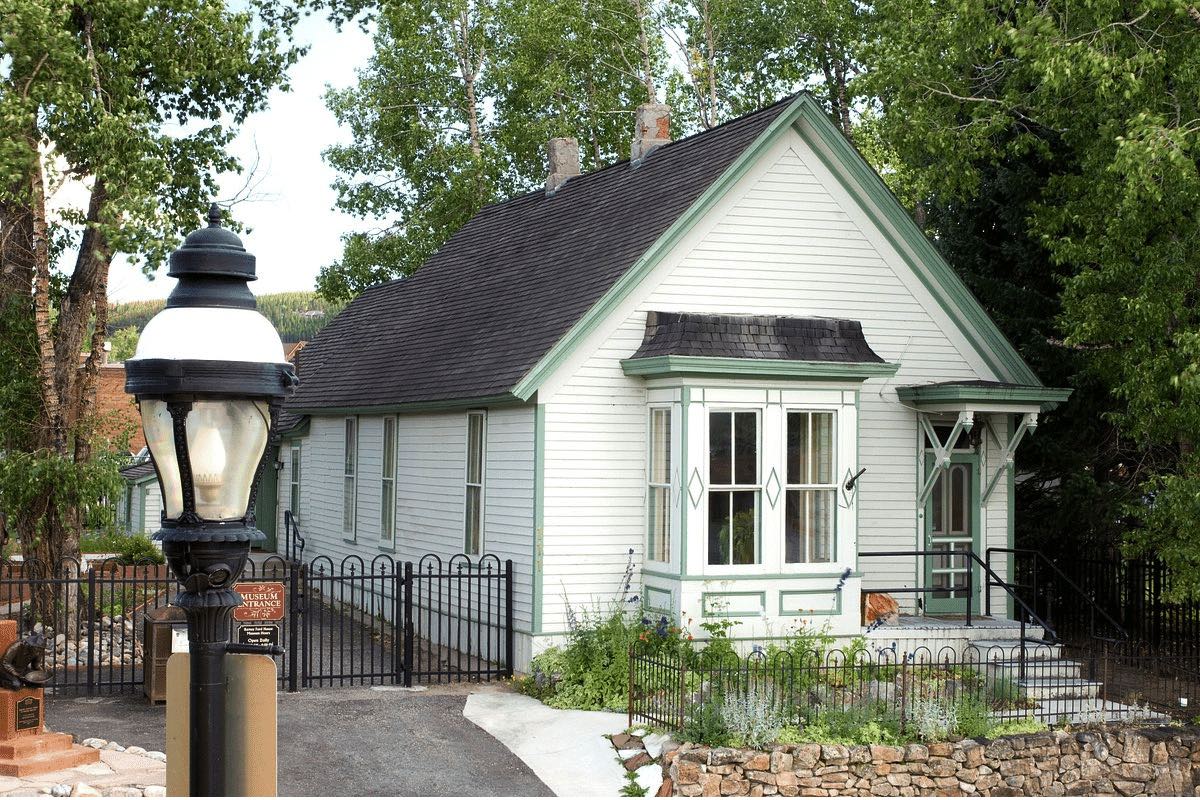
{"x": 1040, "y": 558}
{"x": 294, "y": 545}
{"x": 1050, "y": 637}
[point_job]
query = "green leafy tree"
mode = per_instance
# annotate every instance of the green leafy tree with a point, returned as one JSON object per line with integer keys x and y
{"x": 124, "y": 344}
{"x": 456, "y": 105}
{"x": 1107, "y": 94}
{"x": 136, "y": 101}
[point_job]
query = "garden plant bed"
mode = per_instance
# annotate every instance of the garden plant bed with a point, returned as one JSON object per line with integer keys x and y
{"x": 1129, "y": 762}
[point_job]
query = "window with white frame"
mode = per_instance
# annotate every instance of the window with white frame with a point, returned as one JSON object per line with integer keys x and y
{"x": 658, "y": 540}
{"x": 294, "y": 482}
{"x": 476, "y": 438}
{"x": 387, "y": 499}
{"x": 734, "y": 489}
{"x": 811, "y": 493}
{"x": 349, "y": 473}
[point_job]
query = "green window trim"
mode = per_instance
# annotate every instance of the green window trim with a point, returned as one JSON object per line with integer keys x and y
{"x": 668, "y": 366}
{"x": 1047, "y": 398}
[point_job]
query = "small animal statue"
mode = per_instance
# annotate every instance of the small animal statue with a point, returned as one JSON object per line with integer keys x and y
{"x": 879, "y": 609}
{"x": 24, "y": 663}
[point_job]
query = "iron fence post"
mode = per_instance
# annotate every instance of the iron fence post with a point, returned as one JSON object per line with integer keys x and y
{"x": 293, "y": 625}
{"x": 970, "y": 559}
{"x": 408, "y": 624}
{"x": 629, "y": 700}
{"x": 91, "y": 632}
{"x": 987, "y": 582}
{"x": 400, "y": 579}
{"x": 508, "y": 618}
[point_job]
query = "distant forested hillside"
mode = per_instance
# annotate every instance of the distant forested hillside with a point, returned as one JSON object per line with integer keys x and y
{"x": 296, "y": 315}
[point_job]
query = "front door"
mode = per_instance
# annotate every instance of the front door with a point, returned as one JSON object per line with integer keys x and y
{"x": 952, "y": 527}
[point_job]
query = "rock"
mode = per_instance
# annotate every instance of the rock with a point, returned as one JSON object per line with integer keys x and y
{"x": 85, "y": 790}
{"x": 124, "y": 791}
{"x": 60, "y": 640}
{"x": 656, "y": 743}
{"x": 638, "y": 761}
{"x": 623, "y": 741}
{"x": 155, "y": 791}
{"x": 650, "y": 778}
{"x": 38, "y": 627}
{"x": 625, "y": 755}
{"x": 114, "y": 747}
{"x": 157, "y": 756}
{"x": 60, "y": 790}
{"x": 135, "y": 750}
{"x": 95, "y": 742}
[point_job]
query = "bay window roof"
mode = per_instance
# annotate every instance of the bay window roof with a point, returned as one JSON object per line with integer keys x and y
{"x": 801, "y": 347}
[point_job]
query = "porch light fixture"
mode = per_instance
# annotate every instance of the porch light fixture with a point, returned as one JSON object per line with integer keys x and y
{"x": 209, "y": 376}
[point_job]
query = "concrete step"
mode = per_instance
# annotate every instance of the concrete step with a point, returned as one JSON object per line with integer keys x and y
{"x": 1050, "y": 688}
{"x": 1086, "y": 711}
{"x": 1042, "y": 667}
{"x": 1010, "y": 649}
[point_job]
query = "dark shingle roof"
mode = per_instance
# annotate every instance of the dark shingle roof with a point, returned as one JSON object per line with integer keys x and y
{"x": 793, "y": 338}
{"x": 486, "y": 307}
{"x": 136, "y": 472}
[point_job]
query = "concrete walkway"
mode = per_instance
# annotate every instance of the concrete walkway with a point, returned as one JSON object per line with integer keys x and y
{"x": 117, "y": 774}
{"x": 565, "y": 749}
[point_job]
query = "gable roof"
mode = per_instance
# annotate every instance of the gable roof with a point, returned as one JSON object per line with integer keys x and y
{"x": 491, "y": 315}
{"x": 723, "y": 336}
{"x": 481, "y": 312}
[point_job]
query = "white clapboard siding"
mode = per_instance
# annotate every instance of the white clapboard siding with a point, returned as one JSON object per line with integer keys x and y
{"x": 430, "y": 491}
{"x": 787, "y": 240}
{"x": 152, "y": 505}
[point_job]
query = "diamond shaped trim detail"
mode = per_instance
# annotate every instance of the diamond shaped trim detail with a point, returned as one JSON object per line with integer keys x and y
{"x": 695, "y": 487}
{"x": 773, "y": 487}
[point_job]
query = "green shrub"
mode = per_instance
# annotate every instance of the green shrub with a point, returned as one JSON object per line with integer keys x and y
{"x": 752, "y": 719}
{"x": 871, "y": 723}
{"x": 704, "y": 723}
{"x": 590, "y": 672}
{"x": 138, "y": 549}
{"x": 972, "y": 717}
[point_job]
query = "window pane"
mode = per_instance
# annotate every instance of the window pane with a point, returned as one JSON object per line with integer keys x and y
{"x": 351, "y": 445}
{"x": 745, "y": 527}
{"x": 295, "y": 465}
{"x": 660, "y": 524}
{"x": 745, "y": 448}
{"x": 958, "y": 500}
{"x": 389, "y": 447}
{"x": 718, "y": 527}
{"x": 720, "y": 448}
{"x": 474, "y": 500}
{"x": 820, "y": 525}
{"x": 822, "y": 448}
{"x": 348, "y": 504}
{"x": 474, "y": 448}
{"x": 797, "y": 447}
{"x": 660, "y": 446}
{"x": 387, "y": 510}
{"x": 935, "y": 514}
{"x": 794, "y": 535}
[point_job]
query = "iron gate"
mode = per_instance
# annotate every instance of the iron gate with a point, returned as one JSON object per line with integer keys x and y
{"x": 340, "y": 629}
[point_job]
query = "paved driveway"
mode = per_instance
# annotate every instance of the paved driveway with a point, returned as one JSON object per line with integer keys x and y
{"x": 343, "y": 742}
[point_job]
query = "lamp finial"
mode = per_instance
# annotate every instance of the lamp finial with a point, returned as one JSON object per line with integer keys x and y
{"x": 214, "y": 216}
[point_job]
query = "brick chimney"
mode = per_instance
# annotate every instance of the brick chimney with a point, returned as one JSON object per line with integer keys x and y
{"x": 652, "y": 129}
{"x": 562, "y": 157}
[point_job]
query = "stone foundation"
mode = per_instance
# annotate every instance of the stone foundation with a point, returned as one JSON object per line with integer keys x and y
{"x": 1151, "y": 762}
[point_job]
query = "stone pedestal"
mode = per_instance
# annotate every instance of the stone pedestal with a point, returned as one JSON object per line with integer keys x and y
{"x": 25, "y": 746}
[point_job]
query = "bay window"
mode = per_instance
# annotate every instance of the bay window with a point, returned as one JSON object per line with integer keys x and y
{"x": 734, "y": 490}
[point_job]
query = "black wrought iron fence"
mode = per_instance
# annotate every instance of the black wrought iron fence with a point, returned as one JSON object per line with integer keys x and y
{"x": 917, "y": 693}
{"x": 339, "y": 626}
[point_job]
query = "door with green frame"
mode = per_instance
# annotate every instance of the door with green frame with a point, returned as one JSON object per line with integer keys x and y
{"x": 952, "y": 527}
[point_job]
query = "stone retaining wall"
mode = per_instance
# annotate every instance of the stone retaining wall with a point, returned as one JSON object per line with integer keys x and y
{"x": 1151, "y": 762}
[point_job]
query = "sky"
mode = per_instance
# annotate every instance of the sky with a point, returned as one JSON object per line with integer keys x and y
{"x": 294, "y": 229}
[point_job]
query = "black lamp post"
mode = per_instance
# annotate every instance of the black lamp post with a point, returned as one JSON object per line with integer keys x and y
{"x": 209, "y": 375}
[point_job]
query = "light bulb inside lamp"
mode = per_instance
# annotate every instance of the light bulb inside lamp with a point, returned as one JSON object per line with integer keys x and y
{"x": 208, "y": 457}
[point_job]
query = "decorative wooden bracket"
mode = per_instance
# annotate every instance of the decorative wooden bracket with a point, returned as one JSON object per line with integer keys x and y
{"x": 941, "y": 453}
{"x": 1029, "y": 423}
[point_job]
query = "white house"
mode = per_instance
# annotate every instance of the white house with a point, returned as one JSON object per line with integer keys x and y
{"x": 139, "y": 507}
{"x": 734, "y": 356}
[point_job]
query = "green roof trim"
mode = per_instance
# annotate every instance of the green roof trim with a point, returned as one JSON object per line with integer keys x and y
{"x": 981, "y": 393}
{"x": 662, "y": 366}
{"x": 862, "y": 182}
